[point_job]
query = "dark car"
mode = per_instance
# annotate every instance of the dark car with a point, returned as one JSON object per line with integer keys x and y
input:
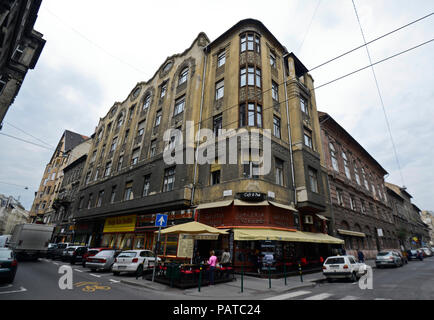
{"x": 90, "y": 253}
{"x": 414, "y": 255}
{"x": 78, "y": 254}
{"x": 8, "y": 265}
{"x": 51, "y": 249}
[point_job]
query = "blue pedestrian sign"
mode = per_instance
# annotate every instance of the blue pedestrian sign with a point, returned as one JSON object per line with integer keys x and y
{"x": 161, "y": 220}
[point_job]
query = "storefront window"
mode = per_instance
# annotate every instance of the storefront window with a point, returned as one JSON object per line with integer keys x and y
{"x": 139, "y": 242}
{"x": 127, "y": 242}
{"x": 172, "y": 245}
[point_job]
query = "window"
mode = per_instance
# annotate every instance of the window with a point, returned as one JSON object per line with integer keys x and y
{"x": 100, "y": 196}
{"x": 217, "y": 124}
{"x": 158, "y": 119}
{"x": 183, "y": 76}
{"x": 114, "y": 144}
{"x": 146, "y": 102}
{"x": 113, "y": 194}
{"x": 362, "y": 206}
{"x": 108, "y": 169}
{"x": 221, "y": 59}
{"x": 251, "y": 42}
{"x": 304, "y": 106}
{"x": 219, "y": 89}
{"x": 273, "y": 60}
{"x": 163, "y": 89}
{"x": 253, "y": 113}
{"x": 253, "y": 77}
{"x": 141, "y": 128}
{"x": 279, "y": 172}
{"x": 179, "y": 106}
{"x": 18, "y": 52}
{"x": 127, "y": 133}
{"x": 153, "y": 149}
{"x": 169, "y": 179}
{"x": 146, "y": 185}
{"x": 308, "y": 138}
{"x": 2, "y": 83}
{"x": 102, "y": 151}
{"x": 80, "y": 203}
{"x": 352, "y": 202}
{"x": 276, "y": 127}
{"x": 356, "y": 173}
{"x": 120, "y": 161}
{"x": 89, "y": 202}
{"x": 215, "y": 177}
{"x": 130, "y": 117}
{"x": 251, "y": 169}
{"x": 87, "y": 178}
{"x": 365, "y": 179}
{"x": 120, "y": 120}
{"x": 339, "y": 196}
{"x": 135, "y": 156}
{"x": 93, "y": 156}
{"x": 346, "y": 165}
{"x": 313, "y": 180}
{"x": 96, "y": 174}
{"x": 274, "y": 91}
{"x": 128, "y": 193}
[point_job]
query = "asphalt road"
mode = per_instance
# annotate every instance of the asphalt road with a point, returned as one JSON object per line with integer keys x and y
{"x": 40, "y": 280}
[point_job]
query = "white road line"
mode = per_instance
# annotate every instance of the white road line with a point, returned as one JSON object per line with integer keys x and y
{"x": 95, "y": 275}
{"x": 350, "y": 298}
{"x": 78, "y": 270}
{"x": 6, "y": 286}
{"x": 289, "y": 295}
{"x": 321, "y": 296}
{"x": 21, "y": 290}
{"x": 114, "y": 281}
{"x": 56, "y": 263}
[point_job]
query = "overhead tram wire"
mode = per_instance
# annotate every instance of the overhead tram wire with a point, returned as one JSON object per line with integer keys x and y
{"x": 27, "y": 141}
{"x": 376, "y": 39}
{"x": 380, "y": 95}
{"x": 47, "y": 144}
{"x": 308, "y": 28}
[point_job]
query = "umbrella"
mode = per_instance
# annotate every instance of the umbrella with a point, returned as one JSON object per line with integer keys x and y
{"x": 193, "y": 228}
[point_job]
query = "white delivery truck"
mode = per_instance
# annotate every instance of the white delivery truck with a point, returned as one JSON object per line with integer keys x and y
{"x": 4, "y": 240}
{"x": 30, "y": 240}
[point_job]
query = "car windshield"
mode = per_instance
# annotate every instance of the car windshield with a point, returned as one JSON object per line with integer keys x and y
{"x": 105, "y": 253}
{"x": 61, "y": 245}
{"x": 383, "y": 253}
{"x": 335, "y": 261}
{"x": 5, "y": 254}
{"x": 93, "y": 252}
{"x": 129, "y": 254}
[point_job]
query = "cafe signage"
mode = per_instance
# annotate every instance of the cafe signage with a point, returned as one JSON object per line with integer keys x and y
{"x": 120, "y": 224}
{"x": 252, "y": 196}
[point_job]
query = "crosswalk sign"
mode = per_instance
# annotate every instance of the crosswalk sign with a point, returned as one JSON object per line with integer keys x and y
{"x": 161, "y": 220}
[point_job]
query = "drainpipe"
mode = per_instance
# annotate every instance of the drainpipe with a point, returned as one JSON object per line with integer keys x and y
{"x": 199, "y": 127}
{"x": 289, "y": 130}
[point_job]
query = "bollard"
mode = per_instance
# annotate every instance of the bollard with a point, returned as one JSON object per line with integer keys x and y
{"x": 284, "y": 271}
{"x": 200, "y": 276}
{"x": 269, "y": 276}
{"x": 301, "y": 274}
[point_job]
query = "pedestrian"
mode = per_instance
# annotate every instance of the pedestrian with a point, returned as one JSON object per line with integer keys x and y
{"x": 226, "y": 257}
{"x": 344, "y": 252}
{"x": 197, "y": 258}
{"x": 361, "y": 256}
{"x": 212, "y": 264}
{"x": 257, "y": 261}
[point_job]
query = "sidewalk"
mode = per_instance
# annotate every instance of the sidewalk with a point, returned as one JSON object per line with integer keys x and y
{"x": 252, "y": 286}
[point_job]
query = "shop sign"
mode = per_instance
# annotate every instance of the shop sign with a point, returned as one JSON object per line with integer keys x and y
{"x": 202, "y": 236}
{"x": 120, "y": 224}
{"x": 185, "y": 246}
{"x": 252, "y": 196}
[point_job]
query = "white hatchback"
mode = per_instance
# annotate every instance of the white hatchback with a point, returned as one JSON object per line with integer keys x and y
{"x": 134, "y": 261}
{"x": 343, "y": 267}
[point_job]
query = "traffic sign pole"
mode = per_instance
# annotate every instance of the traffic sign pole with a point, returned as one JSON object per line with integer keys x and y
{"x": 156, "y": 254}
{"x": 160, "y": 221}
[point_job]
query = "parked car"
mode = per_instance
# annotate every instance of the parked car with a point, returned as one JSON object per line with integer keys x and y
{"x": 403, "y": 256}
{"x": 388, "y": 258}
{"x": 68, "y": 253}
{"x": 78, "y": 254}
{"x": 51, "y": 249}
{"x": 426, "y": 252}
{"x": 58, "y": 252}
{"x": 134, "y": 261}
{"x": 90, "y": 253}
{"x": 8, "y": 265}
{"x": 343, "y": 267}
{"x": 102, "y": 261}
{"x": 414, "y": 255}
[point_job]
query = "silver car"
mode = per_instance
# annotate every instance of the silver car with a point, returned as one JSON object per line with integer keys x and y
{"x": 103, "y": 260}
{"x": 388, "y": 258}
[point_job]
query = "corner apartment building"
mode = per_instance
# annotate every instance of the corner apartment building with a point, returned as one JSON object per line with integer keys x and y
{"x": 246, "y": 82}
{"x": 359, "y": 206}
{"x": 20, "y": 47}
{"x": 42, "y": 208}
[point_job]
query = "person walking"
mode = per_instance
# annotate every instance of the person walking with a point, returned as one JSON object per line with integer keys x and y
{"x": 361, "y": 256}
{"x": 226, "y": 257}
{"x": 212, "y": 265}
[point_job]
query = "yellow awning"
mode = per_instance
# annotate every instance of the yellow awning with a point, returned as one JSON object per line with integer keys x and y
{"x": 217, "y": 204}
{"x": 352, "y": 233}
{"x": 280, "y": 235}
{"x": 238, "y": 202}
{"x": 322, "y": 217}
{"x": 192, "y": 228}
{"x": 283, "y": 206}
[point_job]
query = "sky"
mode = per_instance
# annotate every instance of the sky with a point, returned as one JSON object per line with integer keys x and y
{"x": 97, "y": 51}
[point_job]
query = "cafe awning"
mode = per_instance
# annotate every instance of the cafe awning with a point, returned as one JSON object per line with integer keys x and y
{"x": 352, "y": 233}
{"x": 216, "y": 204}
{"x": 322, "y": 217}
{"x": 193, "y": 227}
{"x": 283, "y": 206}
{"x": 244, "y": 234}
{"x": 238, "y": 202}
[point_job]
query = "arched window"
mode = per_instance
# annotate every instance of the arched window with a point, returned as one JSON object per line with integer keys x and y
{"x": 147, "y": 102}
{"x": 120, "y": 120}
{"x": 183, "y": 76}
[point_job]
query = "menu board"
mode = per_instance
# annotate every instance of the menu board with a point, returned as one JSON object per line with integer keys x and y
{"x": 185, "y": 246}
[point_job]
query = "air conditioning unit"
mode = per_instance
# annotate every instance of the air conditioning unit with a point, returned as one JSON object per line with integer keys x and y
{"x": 308, "y": 219}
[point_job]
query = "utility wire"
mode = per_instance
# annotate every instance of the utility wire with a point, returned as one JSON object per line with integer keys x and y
{"x": 308, "y": 28}
{"x": 29, "y": 134}
{"x": 379, "y": 94}
{"x": 376, "y": 39}
{"x": 27, "y": 141}
{"x": 13, "y": 184}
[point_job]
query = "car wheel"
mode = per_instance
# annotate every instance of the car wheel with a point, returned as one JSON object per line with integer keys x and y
{"x": 116, "y": 273}
{"x": 329, "y": 280}
{"x": 353, "y": 277}
{"x": 93, "y": 270}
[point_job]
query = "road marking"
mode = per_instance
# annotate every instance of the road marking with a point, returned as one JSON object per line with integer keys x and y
{"x": 56, "y": 263}
{"x": 350, "y": 298}
{"x": 289, "y": 295}
{"x": 78, "y": 270}
{"x": 6, "y": 286}
{"x": 21, "y": 290}
{"x": 114, "y": 281}
{"x": 95, "y": 275}
{"x": 321, "y": 296}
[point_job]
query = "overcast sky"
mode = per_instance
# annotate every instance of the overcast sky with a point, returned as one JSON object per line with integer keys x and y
{"x": 98, "y": 50}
